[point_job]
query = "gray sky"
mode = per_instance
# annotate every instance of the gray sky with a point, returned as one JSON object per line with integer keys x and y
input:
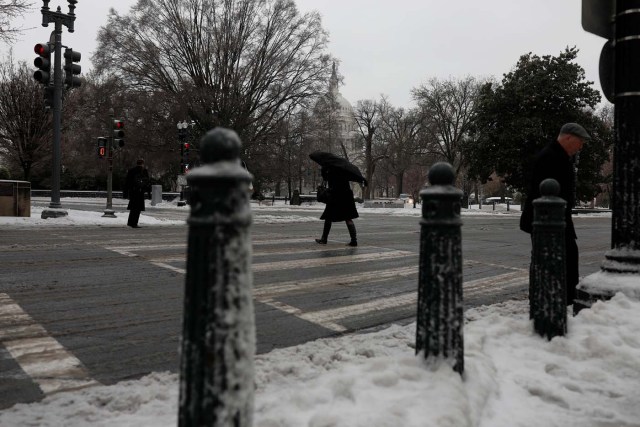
{"x": 390, "y": 47}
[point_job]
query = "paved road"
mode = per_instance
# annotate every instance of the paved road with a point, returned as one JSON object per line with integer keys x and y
{"x": 85, "y": 305}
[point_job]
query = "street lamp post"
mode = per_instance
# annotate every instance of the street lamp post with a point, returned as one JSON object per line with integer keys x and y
{"x": 182, "y": 134}
{"x": 59, "y": 19}
{"x": 108, "y": 211}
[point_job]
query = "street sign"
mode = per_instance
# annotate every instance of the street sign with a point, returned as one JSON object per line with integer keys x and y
{"x": 597, "y": 17}
{"x": 182, "y": 180}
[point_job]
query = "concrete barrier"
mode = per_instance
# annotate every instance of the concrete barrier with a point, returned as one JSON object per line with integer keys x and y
{"x": 15, "y": 198}
{"x": 156, "y": 194}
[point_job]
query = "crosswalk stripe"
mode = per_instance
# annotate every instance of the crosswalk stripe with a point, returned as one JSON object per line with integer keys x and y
{"x": 332, "y": 326}
{"x": 273, "y": 289}
{"x": 320, "y": 262}
{"x": 39, "y": 355}
{"x": 335, "y": 315}
{"x": 330, "y": 318}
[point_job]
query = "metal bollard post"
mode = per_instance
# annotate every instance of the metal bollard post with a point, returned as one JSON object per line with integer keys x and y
{"x": 440, "y": 311}
{"x": 218, "y": 341}
{"x": 547, "y": 276}
{"x": 508, "y": 205}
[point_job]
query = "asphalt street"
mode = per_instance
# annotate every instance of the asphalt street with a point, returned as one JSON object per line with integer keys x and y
{"x": 89, "y": 304}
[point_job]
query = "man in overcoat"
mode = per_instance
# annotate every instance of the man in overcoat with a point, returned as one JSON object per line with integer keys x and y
{"x": 136, "y": 185}
{"x": 556, "y": 161}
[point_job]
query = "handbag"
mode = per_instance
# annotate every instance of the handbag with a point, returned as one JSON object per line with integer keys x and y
{"x": 324, "y": 193}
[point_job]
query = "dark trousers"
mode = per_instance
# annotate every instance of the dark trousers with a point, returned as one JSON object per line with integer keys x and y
{"x": 572, "y": 268}
{"x": 134, "y": 216}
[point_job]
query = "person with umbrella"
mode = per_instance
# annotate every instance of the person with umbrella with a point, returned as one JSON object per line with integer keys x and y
{"x": 340, "y": 205}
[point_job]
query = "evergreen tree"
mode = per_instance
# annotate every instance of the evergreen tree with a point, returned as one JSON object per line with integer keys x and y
{"x": 518, "y": 117}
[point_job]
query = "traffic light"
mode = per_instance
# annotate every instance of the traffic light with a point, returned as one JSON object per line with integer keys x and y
{"x": 102, "y": 147}
{"x": 598, "y": 18}
{"x": 48, "y": 97}
{"x": 186, "y": 149}
{"x": 118, "y": 133}
{"x": 43, "y": 63}
{"x": 71, "y": 68}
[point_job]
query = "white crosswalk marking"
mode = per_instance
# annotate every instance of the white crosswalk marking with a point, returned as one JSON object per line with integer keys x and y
{"x": 273, "y": 289}
{"x": 39, "y": 355}
{"x": 321, "y": 262}
{"x": 331, "y": 318}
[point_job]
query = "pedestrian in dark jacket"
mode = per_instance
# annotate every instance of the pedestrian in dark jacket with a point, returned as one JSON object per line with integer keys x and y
{"x": 340, "y": 206}
{"x": 556, "y": 161}
{"x": 136, "y": 185}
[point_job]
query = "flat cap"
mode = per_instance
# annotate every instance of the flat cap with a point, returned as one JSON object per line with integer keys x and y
{"x": 575, "y": 129}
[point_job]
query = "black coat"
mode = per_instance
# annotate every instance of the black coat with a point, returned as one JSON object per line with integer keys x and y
{"x": 136, "y": 185}
{"x": 551, "y": 162}
{"x": 341, "y": 205}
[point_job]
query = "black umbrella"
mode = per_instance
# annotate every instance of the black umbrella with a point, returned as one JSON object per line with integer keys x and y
{"x": 343, "y": 166}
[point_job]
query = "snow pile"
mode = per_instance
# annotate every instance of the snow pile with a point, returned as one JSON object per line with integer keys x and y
{"x": 512, "y": 378}
{"x": 82, "y": 218}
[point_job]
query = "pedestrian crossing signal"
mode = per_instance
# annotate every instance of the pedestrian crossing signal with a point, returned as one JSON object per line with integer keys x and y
{"x": 102, "y": 147}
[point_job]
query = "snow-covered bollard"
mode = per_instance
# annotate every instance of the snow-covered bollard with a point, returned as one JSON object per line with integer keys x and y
{"x": 218, "y": 340}
{"x": 547, "y": 277}
{"x": 440, "y": 311}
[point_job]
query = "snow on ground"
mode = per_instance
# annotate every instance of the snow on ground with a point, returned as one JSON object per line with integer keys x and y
{"x": 590, "y": 378}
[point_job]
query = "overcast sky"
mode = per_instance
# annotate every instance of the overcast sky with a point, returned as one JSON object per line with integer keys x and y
{"x": 390, "y": 47}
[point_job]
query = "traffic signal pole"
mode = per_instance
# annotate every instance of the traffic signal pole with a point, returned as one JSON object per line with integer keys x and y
{"x": 108, "y": 211}
{"x": 59, "y": 19}
{"x": 57, "y": 118}
{"x": 619, "y": 22}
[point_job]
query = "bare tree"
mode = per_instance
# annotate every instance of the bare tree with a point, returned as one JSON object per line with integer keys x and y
{"x": 242, "y": 64}
{"x": 25, "y": 126}
{"x": 449, "y": 108}
{"x": 400, "y": 130}
{"x": 367, "y": 116}
{"x": 9, "y": 10}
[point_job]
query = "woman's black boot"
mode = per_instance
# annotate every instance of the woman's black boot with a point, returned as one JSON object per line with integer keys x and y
{"x": 325, "y": 232}
{"x": 352, "y": 233}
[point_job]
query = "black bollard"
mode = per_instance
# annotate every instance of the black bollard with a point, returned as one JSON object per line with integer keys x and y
{"x": 440, "y": 310}
{"x": 218, "y": 340}
{"x": 547, "y": 276}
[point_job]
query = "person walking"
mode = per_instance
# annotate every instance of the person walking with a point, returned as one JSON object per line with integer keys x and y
{"x": 556, "y": 161}
{"x": 137, "y": 183}
{"x": 340, "y": 207}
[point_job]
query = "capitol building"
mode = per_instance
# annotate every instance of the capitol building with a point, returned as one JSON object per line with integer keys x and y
{"x": 336, "y": 131}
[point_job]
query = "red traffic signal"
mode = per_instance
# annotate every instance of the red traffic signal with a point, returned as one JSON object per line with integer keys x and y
{"x": 118, "y": 129}
{"x": 42, "y": 49}
{"x": 43, "y": 73}
{"x": 186, "y": 145}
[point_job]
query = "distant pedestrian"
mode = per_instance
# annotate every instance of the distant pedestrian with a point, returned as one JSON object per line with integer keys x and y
{"x": 137, "y": 184}
{"x": 340, "y": 207}
{"x": 556, "y": 161}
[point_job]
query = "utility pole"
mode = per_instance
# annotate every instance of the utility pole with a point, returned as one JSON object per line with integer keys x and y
{"x": 59, "y": 19}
